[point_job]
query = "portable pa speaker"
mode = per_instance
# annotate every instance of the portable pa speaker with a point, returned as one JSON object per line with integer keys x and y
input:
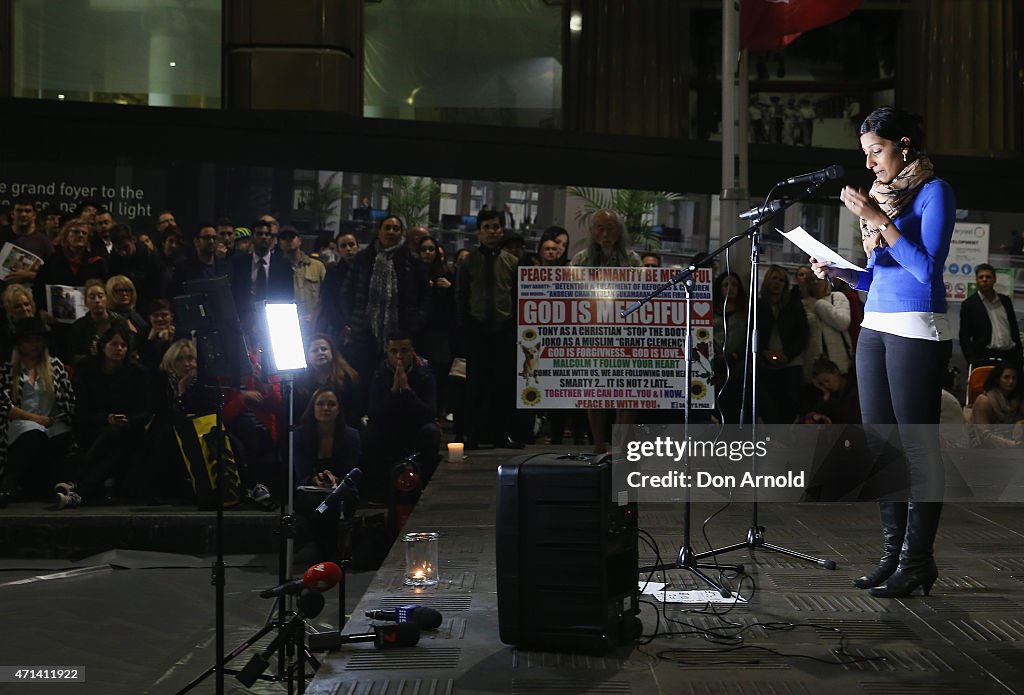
{"x": 566, "y": 552}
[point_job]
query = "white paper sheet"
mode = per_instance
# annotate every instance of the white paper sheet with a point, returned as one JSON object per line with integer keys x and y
{"x": 815, "y": 249}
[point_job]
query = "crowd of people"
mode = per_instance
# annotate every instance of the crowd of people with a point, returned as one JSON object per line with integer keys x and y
{"x": 100, "y": 388}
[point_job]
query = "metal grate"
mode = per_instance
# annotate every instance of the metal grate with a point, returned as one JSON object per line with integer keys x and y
{"x": 961, "y": 583}
{"x": 569, "y": 687}
{"x": 973, "y": 604}
{"x": 837, "y": 604}
{"x": 811, "y": 580}
{"x": 890, "y": 660}
{"x": 448, "y": 580}
{"x": 526, "y": 659}
{"x": 993, "y": 547}
{"x": 692, "y": 659}
{"x": 989, "y": 630}
{"x": 1005, "y": 564}
{"x": 888, "y": 630}
{"x": 441, "y": 603}
{"x": 397, "y": 659}
{"x": 902, "y": 687}
{"x": 406, "y": 686}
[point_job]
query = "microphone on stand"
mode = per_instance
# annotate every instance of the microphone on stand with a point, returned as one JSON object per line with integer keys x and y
{"x": 347, "y": 491}
{"x": 760, "y": 211}
{"x": 320, "y": 577}
{"x": 821, "y": 176}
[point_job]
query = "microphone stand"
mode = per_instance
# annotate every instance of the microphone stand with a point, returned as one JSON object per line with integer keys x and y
{"x": 755, "y": 534}
{"x": 686, "y": 558}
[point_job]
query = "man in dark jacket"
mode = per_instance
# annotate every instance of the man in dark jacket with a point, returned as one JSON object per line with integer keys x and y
{"x": 259, "y": 275}
{"x": 403, "y": 403}
{"x": 988, "y": 324}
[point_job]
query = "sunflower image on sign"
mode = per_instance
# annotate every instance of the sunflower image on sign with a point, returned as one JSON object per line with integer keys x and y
{"x": 698, "y": 388}
{"x": 702, "y": 334}
{"x": 529, "y": 335}
{"x": 531, "y": 395}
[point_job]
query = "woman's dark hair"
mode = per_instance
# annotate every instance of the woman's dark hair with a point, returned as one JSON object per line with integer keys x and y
{"x": 116, "y": 329}
{"x": 438, "y": 267}
{"x": 551, "y": 234}
{"x": 718, "y": 297}
{"x": 894, "y": 124}
{"x": 308, "y": 418}
{"x": 159, "y": 304}
{"x": 992, "y": 382}
{"x": 389, "y": 216}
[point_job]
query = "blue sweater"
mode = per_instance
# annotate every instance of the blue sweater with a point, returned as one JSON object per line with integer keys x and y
{"x": 908, "y": 275}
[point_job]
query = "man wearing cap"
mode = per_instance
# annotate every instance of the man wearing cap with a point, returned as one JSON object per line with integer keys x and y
{"x": 307, "y": 273}
{"x": 243, "y": 240}
{"x": 260, "y": 274}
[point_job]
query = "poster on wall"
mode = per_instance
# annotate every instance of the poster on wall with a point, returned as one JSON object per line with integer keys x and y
{"x": 575, "y": 350}
{"x": 967, "y": 249}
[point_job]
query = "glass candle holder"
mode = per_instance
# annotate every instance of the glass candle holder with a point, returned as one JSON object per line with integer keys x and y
{"x": 421, "y": 558}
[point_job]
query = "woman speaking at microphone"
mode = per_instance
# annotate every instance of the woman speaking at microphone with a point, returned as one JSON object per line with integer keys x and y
{"x": 906, "y": 223}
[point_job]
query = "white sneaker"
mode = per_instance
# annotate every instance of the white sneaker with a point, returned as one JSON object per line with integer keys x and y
{"x": 68, "y": 499}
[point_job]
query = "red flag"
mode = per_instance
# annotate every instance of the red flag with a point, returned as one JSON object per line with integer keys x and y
{"x": 769, "y": 25}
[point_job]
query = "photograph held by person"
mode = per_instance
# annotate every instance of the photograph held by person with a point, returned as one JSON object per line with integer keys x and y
{"x": 906, "y": 222}
{"x": 37, "y": 402}
{"x": 998, "y": 413}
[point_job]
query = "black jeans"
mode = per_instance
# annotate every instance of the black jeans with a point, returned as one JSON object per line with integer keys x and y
{"x": 900, "y": 383}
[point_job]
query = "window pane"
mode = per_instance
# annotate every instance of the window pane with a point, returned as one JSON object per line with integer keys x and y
{"x": 496, "y": 62}
{"x": 119, "y": 51}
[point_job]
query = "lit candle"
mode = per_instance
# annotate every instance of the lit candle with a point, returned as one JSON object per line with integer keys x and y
{"x": 455, "y": 451}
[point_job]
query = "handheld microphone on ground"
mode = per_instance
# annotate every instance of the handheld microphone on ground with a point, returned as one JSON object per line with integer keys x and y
{"x": 762, "y": 210}
{"x": 383, "y": 637}
{"x": 347, "y": 491}
{"x": 423, "y": 617}
{"x": 320, "y": 577}
{"x": 821, "y": 176}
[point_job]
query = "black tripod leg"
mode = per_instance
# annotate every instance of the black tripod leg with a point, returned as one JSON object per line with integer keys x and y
{"x": 235, "y": 652}
{"x": 827, "y": 564}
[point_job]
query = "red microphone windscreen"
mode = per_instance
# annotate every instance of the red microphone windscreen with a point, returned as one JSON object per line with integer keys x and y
{"x": 322, "y": 576}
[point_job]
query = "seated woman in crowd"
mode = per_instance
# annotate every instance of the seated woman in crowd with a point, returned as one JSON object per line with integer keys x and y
{"x": 36, "y": 405}
{"x": 998, "y": 413}
{"x": 326, "y": 367}
{"x": 122, "y": 298}
{"x": 114, "y": 411}
{"x": 18, "y": 304}
{"x": 326, "y": 449}
{"x": 85, "y": 332}
{"x": 154, "y": 342}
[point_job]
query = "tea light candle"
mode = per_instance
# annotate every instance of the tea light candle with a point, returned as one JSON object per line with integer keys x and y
{"x": 421, "y": 559}
{"x": 455, "y": 452}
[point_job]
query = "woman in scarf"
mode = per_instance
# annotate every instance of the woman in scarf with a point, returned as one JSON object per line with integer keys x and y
{"x": 1002, "y": 404}
{"x": 906, "y": 223}
{"x": 384, "y": 292}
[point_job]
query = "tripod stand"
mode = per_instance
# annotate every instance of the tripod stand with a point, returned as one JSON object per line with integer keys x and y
{"x": 686, "y": 559}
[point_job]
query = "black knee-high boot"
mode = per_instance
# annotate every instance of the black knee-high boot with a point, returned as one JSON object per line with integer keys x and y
{"x": 894, "y": 526}
{"x": 917, "y": 561}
